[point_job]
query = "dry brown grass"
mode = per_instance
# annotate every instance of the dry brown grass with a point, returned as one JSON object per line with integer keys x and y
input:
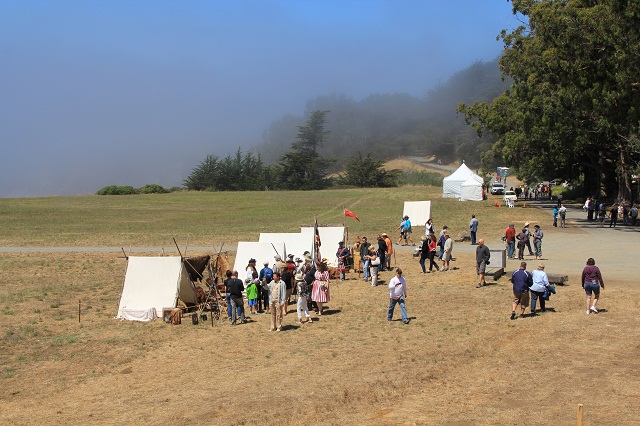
{"x": 460, "y": 361}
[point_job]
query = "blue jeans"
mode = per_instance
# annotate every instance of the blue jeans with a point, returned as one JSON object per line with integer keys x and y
{"x": 392, "y": 305}
{"x": 473, "y": 238}
{"x": 511, "y": 248}
{"x": 365, "y": 269}
{"x": 535, "y": 295}
{"x": 239, "y": 309}
{"x": 538, "y": 246}
{"x": 424, "y": 269}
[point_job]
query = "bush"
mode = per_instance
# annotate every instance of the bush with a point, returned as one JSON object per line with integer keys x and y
{"x": 117, "y": 190}
{"x": 153, "y": 189}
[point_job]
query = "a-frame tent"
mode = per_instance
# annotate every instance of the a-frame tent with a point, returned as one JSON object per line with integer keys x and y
{"x": 152, "y": 284}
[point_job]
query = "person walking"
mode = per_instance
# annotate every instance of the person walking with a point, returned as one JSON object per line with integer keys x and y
{"x": 592, "y": 282}
{"x": 303, "y": 292}
{"x": 432, "y": 253}
{"x": 236, "y": 287}
{"x": 634, "y": 215}
{"x": 540, "y": 283}
{"x": 483, "y": 256}
{"x": 382, "y": 252}
{"x": 473, "y": 229}
{"x": 402, "y": 228}
{"x": 555, "y": 217}
{"x": 424, "y": 252}
{"x": 521, "y": 280}
{"x": 563, "y": 216}
{"x": 448, "y": 248}
{"x": 320, "y": 291}
{"x": 510, "y": 238}
{"x": 429, "y": 229}
{"x": 397, "y": 295}
{"x": 277, "y": 299}
{"x": 613, "y": 215}
{"x": 537, "y": 241}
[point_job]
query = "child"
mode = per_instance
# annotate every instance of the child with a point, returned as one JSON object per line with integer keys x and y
{"x": 302, "y": 290}
{"x": 252, "y": 295}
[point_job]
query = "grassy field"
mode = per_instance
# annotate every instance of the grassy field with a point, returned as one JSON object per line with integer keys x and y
{"x": 459, "y": 361}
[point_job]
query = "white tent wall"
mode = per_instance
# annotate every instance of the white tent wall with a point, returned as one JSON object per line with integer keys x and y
{"x": 330, "y": 236}
{"x": 471, "y": 189}
{"x": 452, "y": 184}
{"x": 294, "y": 243}
{"x": 418, "y": 211}
{"x": 254, "y": 250}
{"x": 151, "y": 284}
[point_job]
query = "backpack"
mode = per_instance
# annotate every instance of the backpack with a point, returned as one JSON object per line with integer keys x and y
{"x": 268, "y": 274}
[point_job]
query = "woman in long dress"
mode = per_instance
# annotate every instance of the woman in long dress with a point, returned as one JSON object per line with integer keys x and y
{"x": 320, "y": 291}
{"x": 356, "y": 256}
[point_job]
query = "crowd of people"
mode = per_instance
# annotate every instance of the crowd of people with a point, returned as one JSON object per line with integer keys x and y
{"x": 598, "y": 211}
{"x": 269, "y": 290}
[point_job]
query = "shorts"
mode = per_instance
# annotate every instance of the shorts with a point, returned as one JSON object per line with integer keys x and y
{"x": 481, "y": 267}
{"x": 592, "y": 287}
{"x": 253, "y": 302}
{"x": 447, "y": 256}
{"x": 521, "y": 299}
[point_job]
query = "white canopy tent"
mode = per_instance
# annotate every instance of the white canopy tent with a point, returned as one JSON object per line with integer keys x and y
{"x": 418, "y": 211}
{"x": 452, "y": 184}
{"x": 261, "y": 252}
{"x": 471, "y": 189}
{"x": 152, "y": 284}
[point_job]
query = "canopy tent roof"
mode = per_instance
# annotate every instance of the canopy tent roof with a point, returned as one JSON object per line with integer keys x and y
{"x": 452, "y": 184}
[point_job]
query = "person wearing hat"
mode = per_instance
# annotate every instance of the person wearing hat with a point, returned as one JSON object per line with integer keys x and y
{"x": 537, "y": 241}
{"x": 387, "y": 258}
{"x": 304, "y": 293}
{"x": 279, "y": 266}
{"x": 527, "y": 242}
{"x": 251, "y": 269}
{"x": 343, "y": 255}
{"x": 448, "y": 248}
{"x": 300, "y": 267}
{"x": 540, "y": 283}
{"x": 355, "y": 252}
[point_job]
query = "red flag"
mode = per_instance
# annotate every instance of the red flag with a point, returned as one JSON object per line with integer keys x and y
{"x": 351, "y": 214}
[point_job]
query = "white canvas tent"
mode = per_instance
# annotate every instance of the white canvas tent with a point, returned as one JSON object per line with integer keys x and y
{"x": 471, "y": 189}
{"x": 452, "y": 184}
{"x": 330, "y": 236}
{"x": 261, "y": 252}
{"x": 151, "y": 284}
{"x": 418, "y": 211}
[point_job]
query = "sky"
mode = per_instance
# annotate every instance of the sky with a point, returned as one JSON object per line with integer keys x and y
{"x": 135, "y": 92}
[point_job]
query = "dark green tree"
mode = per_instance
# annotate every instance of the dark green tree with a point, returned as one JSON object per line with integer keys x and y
{"x": 367, "y": 173}
{"x": 303, "y": 167}
{"x": 574, "y": 106}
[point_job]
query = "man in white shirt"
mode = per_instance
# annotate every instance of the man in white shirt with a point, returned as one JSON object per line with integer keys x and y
{"x": 397, "y": 294}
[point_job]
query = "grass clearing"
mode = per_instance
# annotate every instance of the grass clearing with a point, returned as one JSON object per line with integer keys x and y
{"x": 459, "y": 361}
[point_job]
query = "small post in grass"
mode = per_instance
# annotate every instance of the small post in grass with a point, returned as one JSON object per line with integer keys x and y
{"x": 579, "y": 422}
{"x": 79, "y": 300}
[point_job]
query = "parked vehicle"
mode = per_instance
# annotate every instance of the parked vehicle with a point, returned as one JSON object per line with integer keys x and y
{"x": 510, "y": 195}
{"x": 497, "y": 189}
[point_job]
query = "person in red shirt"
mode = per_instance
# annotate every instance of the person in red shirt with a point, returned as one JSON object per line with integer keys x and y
{"x": 510, "y": 238}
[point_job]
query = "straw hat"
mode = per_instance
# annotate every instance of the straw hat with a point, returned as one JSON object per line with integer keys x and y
{"x": 541, "y": 266}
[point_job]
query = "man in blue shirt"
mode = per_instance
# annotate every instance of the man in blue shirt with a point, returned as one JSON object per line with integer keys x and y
{"x": 522, "y": 281}
{"x": 473, "y": 228}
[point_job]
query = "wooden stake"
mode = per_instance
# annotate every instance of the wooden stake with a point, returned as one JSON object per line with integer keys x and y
{"x": 579, "y": 422}
{"x": 79, "y": 310}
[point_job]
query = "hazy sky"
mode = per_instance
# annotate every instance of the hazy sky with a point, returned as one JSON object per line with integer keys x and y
{"x": 133, "y": 92}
